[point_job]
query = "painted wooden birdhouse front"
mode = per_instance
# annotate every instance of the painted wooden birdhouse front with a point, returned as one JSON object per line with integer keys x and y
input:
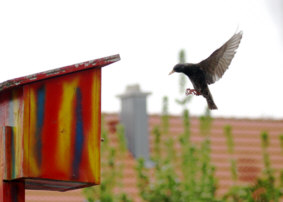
{"x": 50, "y": 127}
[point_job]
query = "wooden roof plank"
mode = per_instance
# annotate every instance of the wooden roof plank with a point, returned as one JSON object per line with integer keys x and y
{"x": 101, "y": 62}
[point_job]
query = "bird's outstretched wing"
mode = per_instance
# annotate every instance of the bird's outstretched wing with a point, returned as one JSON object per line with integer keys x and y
{"x": 217, "y": 63}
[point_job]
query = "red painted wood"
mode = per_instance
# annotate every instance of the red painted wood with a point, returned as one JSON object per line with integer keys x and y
{"x": 101, "y": 62}
{"x": 59, "y": 147}
{"x": 1, "y": 164}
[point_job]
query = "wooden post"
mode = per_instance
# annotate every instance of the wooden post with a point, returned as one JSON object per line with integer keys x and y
{"x": 14, "y": 191}
{"x": 10, "y": 190}
{"x": 1, "y": 165}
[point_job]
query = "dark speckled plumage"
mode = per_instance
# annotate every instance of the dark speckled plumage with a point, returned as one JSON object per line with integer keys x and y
{"x": 211, "y": 69}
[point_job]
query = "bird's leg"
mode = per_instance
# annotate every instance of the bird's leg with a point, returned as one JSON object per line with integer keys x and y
{"x": 189, "y": 91}
{"x": 197, "y": 93}
{"x": 192, "y": 91}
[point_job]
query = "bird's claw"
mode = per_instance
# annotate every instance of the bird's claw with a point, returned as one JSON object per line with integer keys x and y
{"x": 192, "y": 91}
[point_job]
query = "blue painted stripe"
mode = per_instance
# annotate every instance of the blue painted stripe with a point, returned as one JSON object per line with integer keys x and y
{"x": 40, "y": 103}
{"x": 79, "y": 139}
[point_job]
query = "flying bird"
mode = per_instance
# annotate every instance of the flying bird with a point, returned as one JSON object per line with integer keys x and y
{"x": 209, "y": 70}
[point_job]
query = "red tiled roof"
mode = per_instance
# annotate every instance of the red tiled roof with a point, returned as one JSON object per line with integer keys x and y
{"x": 247, "y": 152}
{"x": 54, "y": 196}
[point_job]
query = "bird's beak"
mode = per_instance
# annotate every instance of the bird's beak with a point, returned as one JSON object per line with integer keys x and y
{"x": 171, "y": 72}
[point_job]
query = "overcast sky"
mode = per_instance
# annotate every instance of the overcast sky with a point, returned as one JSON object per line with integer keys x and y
{"x": 40, "y": 35}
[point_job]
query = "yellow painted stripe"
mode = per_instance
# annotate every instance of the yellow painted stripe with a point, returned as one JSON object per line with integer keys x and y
{"x": 66, "y": 114}
{"x": 94, "y": 136}
{"x": 26, "y": 130}
{"x": 33, "y": 167}
{"x": 17, "y": 135}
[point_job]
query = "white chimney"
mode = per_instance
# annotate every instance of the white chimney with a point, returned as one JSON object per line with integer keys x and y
{"x": 134, "y": 117}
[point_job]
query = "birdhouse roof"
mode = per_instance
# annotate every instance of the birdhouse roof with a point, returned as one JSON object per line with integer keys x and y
{"x": 101, "y": 62}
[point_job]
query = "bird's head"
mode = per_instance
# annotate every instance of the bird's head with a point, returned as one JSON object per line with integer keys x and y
{"x": 177, "y": 68}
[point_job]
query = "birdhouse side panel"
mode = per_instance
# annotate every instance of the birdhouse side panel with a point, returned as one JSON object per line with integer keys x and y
{"x": 64, "y": 127}
{"x": 11, "y": 114}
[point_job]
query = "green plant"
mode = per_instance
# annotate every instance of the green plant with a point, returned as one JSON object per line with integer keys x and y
{"x": 230, "y": 145}
{"x": 182, "y": 77}
{"x": 270, "y": 192}
{"x": 165, "y": 116}
{"x": 281, "y": 171}
{"x": 265, "y": 188}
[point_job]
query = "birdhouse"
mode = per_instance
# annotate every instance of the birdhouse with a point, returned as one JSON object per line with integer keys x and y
{"x": 50, "y": 127}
